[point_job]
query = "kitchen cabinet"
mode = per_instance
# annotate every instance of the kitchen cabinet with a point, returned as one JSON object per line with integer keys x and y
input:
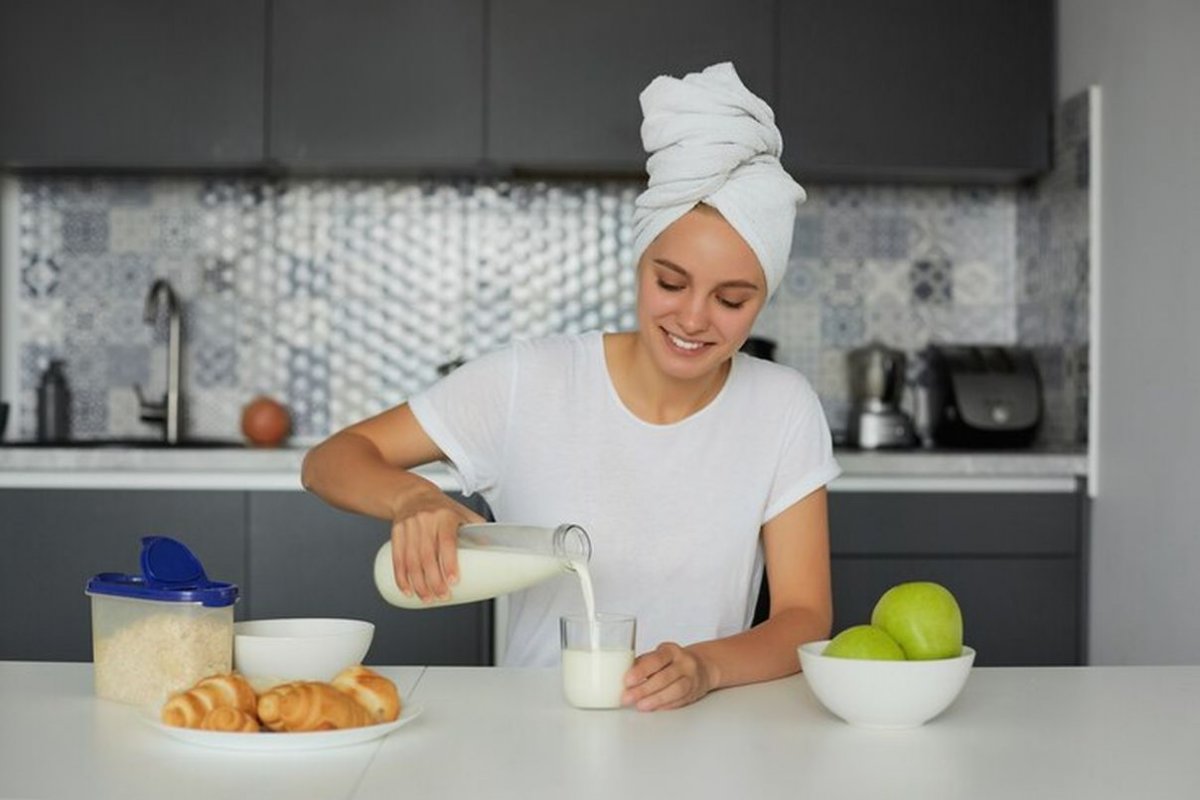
{"x": 1013, "y": 561}
{"x": 307, "y": 559}
{"x": 132, "y": 83}
{"x": 289, "y": 553}
{"x": 929, "y": 89}
{"x": 1016, "y": 611}
{"x": 945, "y": 90}
{"x": 369, "y": 84}
{"x": 564, "y": 78}
{"x": 54, "y": 541}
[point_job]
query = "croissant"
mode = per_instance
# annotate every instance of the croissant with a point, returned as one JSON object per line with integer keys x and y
{"x": 310, "y": 706}
{"x": 187, "y": 709}
{"x": 268, "y": 709}
{"x": 236, "y": 690}
{"x": 370, "y": 690}
{"x": 230, "y": 720}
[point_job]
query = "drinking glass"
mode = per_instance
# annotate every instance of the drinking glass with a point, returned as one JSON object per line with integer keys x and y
{"x": 596, "y": 654}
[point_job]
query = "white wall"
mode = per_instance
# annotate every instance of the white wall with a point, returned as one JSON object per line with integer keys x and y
{"x": 1145, "y": 581}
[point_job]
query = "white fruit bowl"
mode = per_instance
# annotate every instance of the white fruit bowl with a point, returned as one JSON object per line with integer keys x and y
{"x": 884, "y": 694}
{"x": 271, "y": 651}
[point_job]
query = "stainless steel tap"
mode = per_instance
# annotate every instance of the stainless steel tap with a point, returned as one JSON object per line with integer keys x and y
{"x": 168, "y": 410}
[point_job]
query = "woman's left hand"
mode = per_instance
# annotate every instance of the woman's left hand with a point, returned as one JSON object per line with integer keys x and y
{"x": 667, "y": 677}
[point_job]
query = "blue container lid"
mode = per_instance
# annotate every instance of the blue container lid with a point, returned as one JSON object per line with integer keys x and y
{"x": 170, "y": 573}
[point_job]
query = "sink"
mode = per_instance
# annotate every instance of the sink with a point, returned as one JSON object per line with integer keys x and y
{"x": 132, "y": 443}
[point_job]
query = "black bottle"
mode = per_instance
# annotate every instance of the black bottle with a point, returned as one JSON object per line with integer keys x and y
{"x": 54, "y": 405}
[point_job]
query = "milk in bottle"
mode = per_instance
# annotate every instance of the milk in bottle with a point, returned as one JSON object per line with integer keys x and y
{"x": 495, "y": 559}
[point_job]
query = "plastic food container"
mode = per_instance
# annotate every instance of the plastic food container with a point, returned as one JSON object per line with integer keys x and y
{"x": 159, "y": 632}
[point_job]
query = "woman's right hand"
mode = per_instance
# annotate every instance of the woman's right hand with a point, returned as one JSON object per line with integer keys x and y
{"x": 425, "y": 544}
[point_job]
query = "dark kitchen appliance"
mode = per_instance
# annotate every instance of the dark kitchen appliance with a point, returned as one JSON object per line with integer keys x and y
{"x": 983, "y": 396}
{"x": 760, "y": 347}
{"x": 877, "y": 376}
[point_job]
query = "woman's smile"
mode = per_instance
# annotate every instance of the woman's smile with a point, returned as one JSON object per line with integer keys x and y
{"x": 685, "y": 347}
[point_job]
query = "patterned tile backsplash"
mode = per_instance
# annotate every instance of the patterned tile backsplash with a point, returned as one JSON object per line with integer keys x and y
{"x": 342, "y": 297}
{"x": 1053, "y": 270}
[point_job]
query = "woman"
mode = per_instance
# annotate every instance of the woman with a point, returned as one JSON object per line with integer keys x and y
{"x": 689, "y": 463}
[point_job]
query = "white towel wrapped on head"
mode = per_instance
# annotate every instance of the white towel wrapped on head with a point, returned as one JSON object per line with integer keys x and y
{"x": 712, "y": 141}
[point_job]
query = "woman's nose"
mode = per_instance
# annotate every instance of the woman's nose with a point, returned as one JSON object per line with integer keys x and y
{"x": 693, "y": 315}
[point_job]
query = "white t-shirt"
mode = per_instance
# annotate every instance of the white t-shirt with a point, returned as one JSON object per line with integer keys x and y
{"x": 673, "y": 511}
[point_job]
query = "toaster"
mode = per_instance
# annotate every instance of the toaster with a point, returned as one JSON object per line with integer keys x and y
{"x": 983, "y": 396}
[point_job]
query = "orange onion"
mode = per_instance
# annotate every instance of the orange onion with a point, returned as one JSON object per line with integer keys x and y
{"x": 266, "y": 422}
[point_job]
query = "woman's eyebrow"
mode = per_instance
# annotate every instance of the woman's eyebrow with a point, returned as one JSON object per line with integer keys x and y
{"x": 738, "y": 284}
{"x": 671, "y": 265}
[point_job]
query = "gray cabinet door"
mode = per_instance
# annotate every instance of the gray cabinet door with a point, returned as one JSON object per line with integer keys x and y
{"x": 1013, "y": 561}
{"x": 307, "y": 559}
{"x": 879, "y": 524}
{"x": 564, "y": 78}
{"x": 54, "y": 540}
{"x": 1016, "y": 612}
{"x": 132, "y": 83}
{"x": 370, "y": 84}
{"x": 932, "y": 89}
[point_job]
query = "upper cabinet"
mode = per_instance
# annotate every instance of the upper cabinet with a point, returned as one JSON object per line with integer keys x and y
{"x": 376, "y": 84}
{"x": 947, "y": 90}
{"x": 131, "y": 83}
{"x": 927, "y": 89}
{"x": 564, "y": 78}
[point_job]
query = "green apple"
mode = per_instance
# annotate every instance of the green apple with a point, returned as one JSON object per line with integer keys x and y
{"x": 923, "y": 617}
{"x": 864, "y": 641}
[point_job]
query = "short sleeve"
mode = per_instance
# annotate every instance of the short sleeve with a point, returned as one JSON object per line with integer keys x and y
{"x": 806, "y": 461}
{"x": 466, "y": 415}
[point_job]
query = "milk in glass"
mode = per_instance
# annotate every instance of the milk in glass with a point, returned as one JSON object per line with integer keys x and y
{"x": 595, "y": 678}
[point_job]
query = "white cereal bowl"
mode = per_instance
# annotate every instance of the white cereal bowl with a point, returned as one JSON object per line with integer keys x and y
{"x": 884, "y": 694}
{"x": 309, "y": 649}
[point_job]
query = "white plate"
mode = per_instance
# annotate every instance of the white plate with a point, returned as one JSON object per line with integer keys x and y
{"x": 268, "y": 741}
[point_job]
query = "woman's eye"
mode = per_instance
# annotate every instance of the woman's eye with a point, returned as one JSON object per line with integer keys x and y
{"x": 730, "y": 303}
{"x": 670, "y": 287}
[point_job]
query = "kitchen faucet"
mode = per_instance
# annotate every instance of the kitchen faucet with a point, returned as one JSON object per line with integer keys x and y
{"x": 167, "y": 410}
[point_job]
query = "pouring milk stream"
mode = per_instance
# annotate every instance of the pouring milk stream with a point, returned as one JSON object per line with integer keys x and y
{"x": 495, "y": 559}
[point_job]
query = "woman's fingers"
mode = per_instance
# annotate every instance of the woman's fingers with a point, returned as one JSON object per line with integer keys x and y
{"x": 415, "y": 572}
{"x": 431, "y": 569}
{"x": 425, "y": 555}
{"x": 651, "y": 673}
{"x": 647, "y": 665}
{"x": 447, "y": 553}
{"x": 400, "y": 559}
{"x": 669, "y": 677}
{"x": 677, "y": 693}
{"x": 645, "y": 695}
{"x": 425, "y": 548}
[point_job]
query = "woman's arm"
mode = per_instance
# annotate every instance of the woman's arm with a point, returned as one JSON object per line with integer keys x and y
{"x": 796, "y": 550}
{"x": 364, "y": 469}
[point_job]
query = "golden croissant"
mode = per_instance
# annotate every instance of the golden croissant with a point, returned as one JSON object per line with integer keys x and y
{"x": 310, "y": 706}
{"x": 370, "y": 690}
{"x": 230, "y": 720}
{"x": 187, "y": 709}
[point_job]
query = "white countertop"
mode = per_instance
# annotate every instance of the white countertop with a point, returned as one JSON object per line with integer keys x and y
{"x": 1064, "y": 732}
{"x": 279, "y": 469}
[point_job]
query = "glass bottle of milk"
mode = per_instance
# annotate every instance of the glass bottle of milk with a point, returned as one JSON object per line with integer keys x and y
{"x": 495, "y": 559}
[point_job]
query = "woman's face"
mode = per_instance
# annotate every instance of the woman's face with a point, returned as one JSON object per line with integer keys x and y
{"x": 700, "y": 288}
